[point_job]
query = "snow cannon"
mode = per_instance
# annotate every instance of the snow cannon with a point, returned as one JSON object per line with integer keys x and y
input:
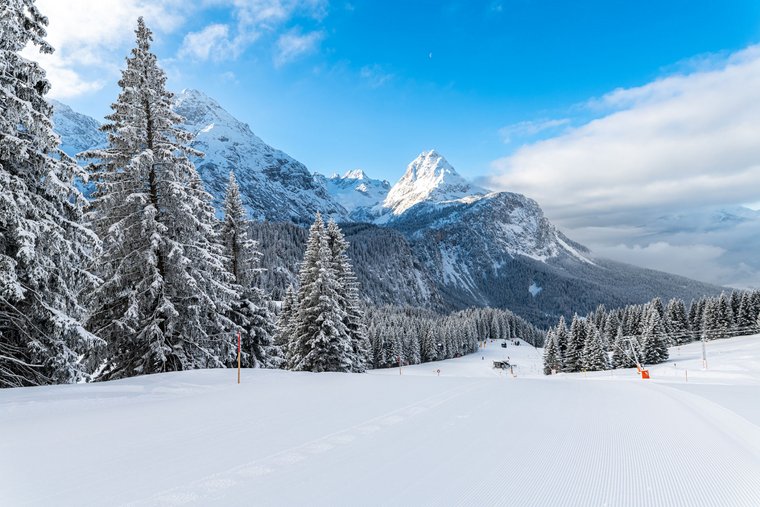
{"x": 643, "y": 372}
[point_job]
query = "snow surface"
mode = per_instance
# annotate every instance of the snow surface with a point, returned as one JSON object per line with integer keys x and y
{"x": 471, "y": 436}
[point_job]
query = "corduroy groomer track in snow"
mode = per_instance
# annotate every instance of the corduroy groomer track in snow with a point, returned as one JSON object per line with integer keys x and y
{"x": 471, "y": 436}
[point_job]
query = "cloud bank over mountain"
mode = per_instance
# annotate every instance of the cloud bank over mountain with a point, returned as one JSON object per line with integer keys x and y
{"x": 683, "y": 145}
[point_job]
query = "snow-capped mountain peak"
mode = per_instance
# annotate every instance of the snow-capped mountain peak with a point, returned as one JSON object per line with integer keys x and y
{"x": 429, "y": 177}
{"x": 356, "y": 192}
{"x": 355, "y": 174}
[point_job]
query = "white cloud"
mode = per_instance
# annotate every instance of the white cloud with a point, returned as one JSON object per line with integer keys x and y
{"x": 91, "y": 37}
{"x": 701, "y": 262}
{"x": 679, "y": 141}
{"x": 252, "y": 19}
{"x": 716, "y": 245}
{"x": 213, "y": 42}
{"x": 684, "y": 143}
{"x": 293, "y": 45}
{"x": 85, "y": 34}
{"x": 531, "y": 128}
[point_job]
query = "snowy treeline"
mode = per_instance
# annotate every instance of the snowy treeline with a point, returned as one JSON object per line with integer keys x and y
{"x": 415, "y": 335}
{"x": 607, "y": 339}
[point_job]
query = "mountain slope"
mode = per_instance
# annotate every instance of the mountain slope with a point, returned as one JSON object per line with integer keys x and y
{"x": 357, "y": 193}
{"x": 78, "y": 132}
{"x": 274, "y": 186}
{"x": 500, "y": 250}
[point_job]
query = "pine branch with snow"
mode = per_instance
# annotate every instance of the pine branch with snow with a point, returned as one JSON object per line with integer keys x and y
{"x": 43, "y": 244}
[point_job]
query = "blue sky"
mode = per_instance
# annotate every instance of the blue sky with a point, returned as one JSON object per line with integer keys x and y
{"x": 634, "y": 124}
{"x": 381, "y": 81}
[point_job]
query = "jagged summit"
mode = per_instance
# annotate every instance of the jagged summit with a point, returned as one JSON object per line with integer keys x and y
{"x": 429, "y": 177}
{"x": 355, "y": 174}
{"x": 356, "y": 192}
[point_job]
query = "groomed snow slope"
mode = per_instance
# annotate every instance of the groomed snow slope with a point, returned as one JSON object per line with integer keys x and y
{"x": 468, "y": 437}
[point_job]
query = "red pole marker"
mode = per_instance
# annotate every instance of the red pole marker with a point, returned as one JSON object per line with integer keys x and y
{"x": 238, "y": 357}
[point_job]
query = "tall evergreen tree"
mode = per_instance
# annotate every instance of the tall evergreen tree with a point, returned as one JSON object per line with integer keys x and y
{"x": 725, "y": 323}
{"x": 551, "y": 357}
{"x": 251, "y": 309}
{"x": 43, "y": 245}
{"x": 611, "y": 326}
{"x": 656, "y": 304}
{"x": 561, "y": 336}
{"x": 697, "y": 324}
{"x": 575, "y": 343}
{"x": 654, "y": 347}
{"x": 677, "y": 322}
{"x": 745, "y": 317}
{"x": 348, "y": 297}
{"x": 710, "y": 326}
{"x": 593, "y": 356}
{"x": 321, "y": 341}
{"x": 166, "y": 293}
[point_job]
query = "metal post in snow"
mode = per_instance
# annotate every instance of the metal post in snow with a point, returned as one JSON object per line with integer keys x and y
{"x": 238, "y": 356}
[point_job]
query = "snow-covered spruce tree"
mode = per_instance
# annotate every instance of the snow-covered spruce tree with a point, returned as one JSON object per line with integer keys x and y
{"x": 654, "y": 346}
{"x": 593, "y": 356}
{"x": 166, "y": 292}
{"x": 561, "y": 336}
{"x": 677, "y": 322}
{"x": 696, "y": 318}
{"x": 250, "y": 307}
{"x": 745, "y": 317}
{"x": 348, "y": 298}
{"x": 656, "y": 304}
{"x": 575, "y": 342}
{"x": 710, "y": 328}
{"x": 611, "y": 326}
{"x": 321, "y": 341}
{"x": 551, "y": 357}
{"x": 429, "y": 345}
{"x": 43, "y": 245}
{"x": 755, "y": 305}
{"x": 725, "y": 317}
{"x": 735, "y": 299}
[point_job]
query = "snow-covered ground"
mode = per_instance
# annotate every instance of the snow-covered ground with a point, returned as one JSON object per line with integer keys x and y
{"x": 471, "y": 436}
